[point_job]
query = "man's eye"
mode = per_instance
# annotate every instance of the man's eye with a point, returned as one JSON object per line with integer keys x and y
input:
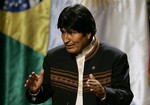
{"x": 62, "y": 32}
{"x": 72, "y": 32}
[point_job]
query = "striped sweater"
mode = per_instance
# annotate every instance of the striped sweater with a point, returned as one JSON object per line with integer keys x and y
{"x": 109, "y": 65}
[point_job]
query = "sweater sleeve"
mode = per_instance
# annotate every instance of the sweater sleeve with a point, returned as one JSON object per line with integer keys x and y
{"x": 45, "y": 91}
{"x": 119, "y": 93}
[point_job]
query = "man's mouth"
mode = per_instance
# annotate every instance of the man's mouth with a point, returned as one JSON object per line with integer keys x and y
{"x": 69, "y": 46}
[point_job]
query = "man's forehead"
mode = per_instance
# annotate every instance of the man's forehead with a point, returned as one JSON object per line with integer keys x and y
{"x": 67, "y": 30}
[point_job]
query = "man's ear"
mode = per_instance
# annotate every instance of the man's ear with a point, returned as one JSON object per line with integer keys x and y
{"x": 88, "y": 35}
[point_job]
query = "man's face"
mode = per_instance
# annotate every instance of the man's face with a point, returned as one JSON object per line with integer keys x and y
{"x": 74, "y": 41}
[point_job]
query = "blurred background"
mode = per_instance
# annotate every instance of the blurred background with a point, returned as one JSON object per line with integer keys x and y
{"x": 28, "y": 29}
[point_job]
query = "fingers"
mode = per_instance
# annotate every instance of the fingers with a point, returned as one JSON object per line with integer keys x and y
{"x": 96, "y": 87}
{"x": 41, "y": 73}
{"x": 91, "y": 76}
{"x": 33, "y": 76}
{"x": 91, "y": 80}
{"x": 30, "y": 82}
{"x": 34, "y": 81}
{"x": 92, "y": 83}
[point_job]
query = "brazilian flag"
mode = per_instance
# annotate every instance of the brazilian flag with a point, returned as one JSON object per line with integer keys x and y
{"x": 24, "y": 29}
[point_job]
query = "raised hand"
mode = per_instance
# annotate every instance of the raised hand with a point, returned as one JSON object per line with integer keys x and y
{"x": 34, "y": 82}
{"x": 95, "y": 86}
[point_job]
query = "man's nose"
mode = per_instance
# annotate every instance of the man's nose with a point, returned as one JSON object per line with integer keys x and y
{"x": 65, "y": 37}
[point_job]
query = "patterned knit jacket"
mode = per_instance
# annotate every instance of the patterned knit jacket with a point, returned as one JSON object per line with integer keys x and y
{"x": 109, "y": 66}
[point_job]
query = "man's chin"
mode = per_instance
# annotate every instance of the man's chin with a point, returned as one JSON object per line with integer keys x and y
{"x": 72, "y": 51}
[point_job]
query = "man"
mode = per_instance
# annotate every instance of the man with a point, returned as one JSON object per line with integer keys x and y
{"x": 83, "y": 71}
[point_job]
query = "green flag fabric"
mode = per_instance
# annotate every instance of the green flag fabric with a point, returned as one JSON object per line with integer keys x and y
{"x": 23, "y": 44}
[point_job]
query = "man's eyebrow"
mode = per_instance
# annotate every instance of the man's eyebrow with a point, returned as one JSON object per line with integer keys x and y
{"x": 68, "y": 31}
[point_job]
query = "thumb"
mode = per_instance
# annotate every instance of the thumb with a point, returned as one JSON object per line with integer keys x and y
{"x": 91, "y": 76}
{"x": 41, "y": 73}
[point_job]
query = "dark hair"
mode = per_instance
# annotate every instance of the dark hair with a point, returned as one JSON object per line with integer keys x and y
{"x": 78, "y": 18}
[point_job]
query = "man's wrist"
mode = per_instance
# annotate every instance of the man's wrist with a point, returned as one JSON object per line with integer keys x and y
{"x": 102, "y": 94}
{"x": 34, "y": 94}
{"x": 102, "y": 99}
